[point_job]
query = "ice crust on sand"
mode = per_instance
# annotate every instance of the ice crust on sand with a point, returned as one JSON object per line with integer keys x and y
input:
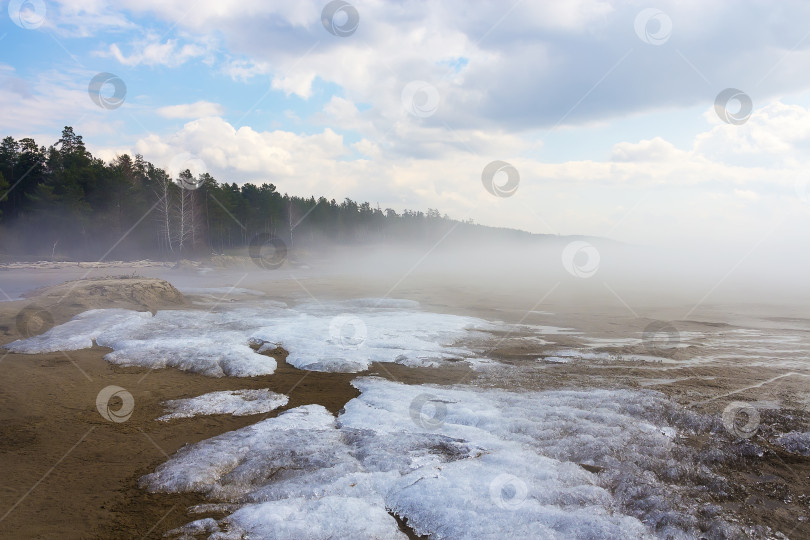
{"x": 350, "y": 343}
{"x": 81, "y": 331}
{"x": 338, "y": 337}
{"x": 455, "y": 462}
{"x": 235, "y": 402}
{"x": 214, "y": 344}
{"x": 796, "y": 442}
{"x": 565, "y": 356}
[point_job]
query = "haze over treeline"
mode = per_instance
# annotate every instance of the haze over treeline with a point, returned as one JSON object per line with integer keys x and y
{"x": 62, "y": 200}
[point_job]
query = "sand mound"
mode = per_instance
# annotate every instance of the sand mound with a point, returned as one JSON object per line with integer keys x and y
{"x": 127, "y": 292}
{"x": 48, "y": 306}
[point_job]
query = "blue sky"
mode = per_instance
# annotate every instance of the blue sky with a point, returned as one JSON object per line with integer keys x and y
{"x": 605, "y": 108}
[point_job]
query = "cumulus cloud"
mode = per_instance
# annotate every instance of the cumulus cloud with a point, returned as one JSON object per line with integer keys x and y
{"x": 776, "y": 133}
{"x": 298, "y": 83}
{"x": 648, "y": 191}
{"x": 513, "y": 67}
{"x": 510, "y": 79}
{"x": 244, "y": 154}
{"x": 518, "y": 66}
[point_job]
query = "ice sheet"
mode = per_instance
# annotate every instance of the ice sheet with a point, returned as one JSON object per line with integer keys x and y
{"x": 81, "y": 331}
{"x": 235, "y": 402}
{"x": 338, "y": 336}
{"x": 215, "y": 344}
{"x": 456, "y": 462}
{"x": 350, "y": 342}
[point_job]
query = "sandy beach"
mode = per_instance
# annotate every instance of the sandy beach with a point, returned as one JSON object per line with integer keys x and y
{"x": 72, "y": 474}
{"x": 69, "y": 473}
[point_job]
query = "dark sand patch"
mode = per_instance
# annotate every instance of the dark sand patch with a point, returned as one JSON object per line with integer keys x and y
{"x": 47, "y": 405}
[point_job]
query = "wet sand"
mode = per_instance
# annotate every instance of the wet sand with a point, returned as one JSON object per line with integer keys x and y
{"x": 69, "y": 473}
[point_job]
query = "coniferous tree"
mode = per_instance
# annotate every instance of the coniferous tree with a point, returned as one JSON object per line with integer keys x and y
{"x": 64, "y": 198}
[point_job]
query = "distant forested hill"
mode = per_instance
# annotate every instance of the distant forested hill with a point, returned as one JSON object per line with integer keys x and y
{"x": 63, "y": 200}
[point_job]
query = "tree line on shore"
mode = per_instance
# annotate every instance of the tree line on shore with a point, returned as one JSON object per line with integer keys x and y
{"x": 63, "y": 200}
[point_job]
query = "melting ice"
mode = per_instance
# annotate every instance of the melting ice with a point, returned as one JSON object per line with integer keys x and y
{"x": 338, "y": 337}
{"x": 234, "y": 402}
{"x": 455, "y": 462}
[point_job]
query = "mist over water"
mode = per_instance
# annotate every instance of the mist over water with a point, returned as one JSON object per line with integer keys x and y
{"x": 594, "y": 270}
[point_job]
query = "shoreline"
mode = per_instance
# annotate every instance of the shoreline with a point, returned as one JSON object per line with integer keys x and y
{"x": 82, "y": 470}
{"x": 72, "y": 474}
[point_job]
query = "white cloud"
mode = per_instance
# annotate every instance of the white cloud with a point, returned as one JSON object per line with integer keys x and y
{"x": 341, "y": 110}
{"x": 244, "y": 70}
{"x": 84, "y": 18}
{"x": 656, "y": 149}
{"x": 525, "y": 65}
{"x": 50, "y": 101}
{"x": 746, "y": 194}
{"x": 191, "y": 110}
{"x": 775, "y": 132}
{"x": 514, "y": 66}
{"x": 657, "y": 193}
{"x": 298, "y": 83}
{"x": 368, "y": 149}
{"x": 505, "y": 74}
{"x": 151, "y": 52}
{"x": 245, "y": 154}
